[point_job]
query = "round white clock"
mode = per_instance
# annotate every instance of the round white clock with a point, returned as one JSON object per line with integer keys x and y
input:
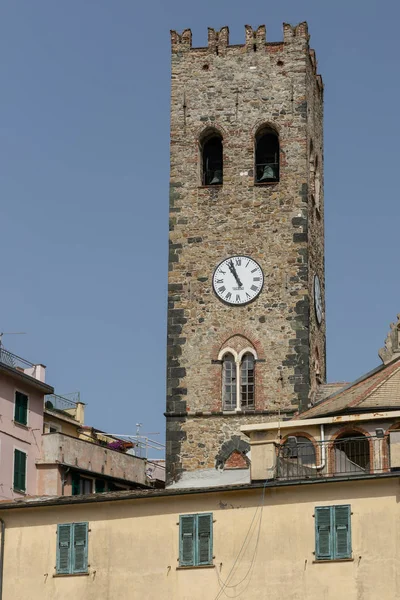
{"x": 318, "y": 299}
{"x": 238, "y": 280}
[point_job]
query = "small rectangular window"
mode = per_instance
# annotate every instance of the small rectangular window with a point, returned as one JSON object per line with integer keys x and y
{"x": 195, "y": 540}
{"x": 21, "y": 408}
{"x": 19, "y": 482}
{"x": 332, "y": 532}
{"x": 72, "y": 548}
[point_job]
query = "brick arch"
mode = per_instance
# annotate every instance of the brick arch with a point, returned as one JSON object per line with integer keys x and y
{"x": 224, "y": 338}
{"x": 349, "y": 429}
{"x": 258, "y": 125}
{"x": 234, "y": 445}
{"x": 310, "y": 438}
{"x": 214, "y": 126}
{"x": 386, "y": 446}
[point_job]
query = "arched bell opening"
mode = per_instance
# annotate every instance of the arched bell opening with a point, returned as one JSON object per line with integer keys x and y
{"x": 267, "y": 155}
{"x": 212, "y": 159}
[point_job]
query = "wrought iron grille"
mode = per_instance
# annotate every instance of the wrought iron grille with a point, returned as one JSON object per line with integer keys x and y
{"x": 12, "y": 360}
{"x": 59, "y": 403}
{"x": 347, "y": 456}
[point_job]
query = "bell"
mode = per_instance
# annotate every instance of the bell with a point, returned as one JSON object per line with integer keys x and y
{"x": 217, "y": 178}
{"x": 268, "y": 173}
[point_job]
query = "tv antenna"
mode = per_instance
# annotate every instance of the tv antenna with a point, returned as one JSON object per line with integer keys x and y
{"x": 10, "y": 333}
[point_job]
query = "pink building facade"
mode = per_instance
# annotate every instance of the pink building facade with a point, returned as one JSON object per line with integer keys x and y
{"x": 22, "y": 391}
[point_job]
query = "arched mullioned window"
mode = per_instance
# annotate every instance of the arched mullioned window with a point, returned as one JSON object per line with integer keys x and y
{"x": 212, "y": 161}
{"x": 229, "y": 387}
{"x": 267, "y": 155}
{"x": 238, "y": 379}
{"x": 247, "y": 381}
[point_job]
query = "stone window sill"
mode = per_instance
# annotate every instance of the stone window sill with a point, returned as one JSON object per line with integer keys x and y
{"x": 211, "y": 187}
{"x": 266, "y": 183}
{"x": 333, "y": 560}
{"x": 17, "y": 491}
{"x": 195, "y": 567}
{"x": 71, "y": 574}
{"x": 22, "y": 425}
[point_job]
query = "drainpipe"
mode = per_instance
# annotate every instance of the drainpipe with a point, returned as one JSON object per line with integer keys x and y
{"x": 323, "y": 452}
{"x": 3, "y": 530}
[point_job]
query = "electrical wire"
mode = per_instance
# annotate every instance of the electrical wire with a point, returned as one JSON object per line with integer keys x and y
{"x": 226, "y": 584}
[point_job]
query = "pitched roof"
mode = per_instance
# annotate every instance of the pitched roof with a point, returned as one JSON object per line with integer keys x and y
{"x": 380, "y": 388}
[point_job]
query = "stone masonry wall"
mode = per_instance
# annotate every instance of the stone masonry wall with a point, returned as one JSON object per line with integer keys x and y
{"x": 235, "y": 89}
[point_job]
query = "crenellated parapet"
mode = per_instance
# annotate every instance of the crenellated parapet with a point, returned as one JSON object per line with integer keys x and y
{"x": 218, "y": 41}
{"x": 255, "y": 39}
{"x": 181, "y": 41}
{"x": 295, "y": 32}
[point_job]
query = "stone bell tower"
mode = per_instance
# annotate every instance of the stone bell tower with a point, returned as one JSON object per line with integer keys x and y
{"x": 246, "y": 309}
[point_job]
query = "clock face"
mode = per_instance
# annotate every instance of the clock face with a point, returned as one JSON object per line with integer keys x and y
{"x": 238, "y": 280}
{"x": 318, "y": 299}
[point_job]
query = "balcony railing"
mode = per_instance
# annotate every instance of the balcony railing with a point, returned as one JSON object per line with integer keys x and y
{"x": 352, "y": 457}
{"x": 60, "y": 403}
{"x": 14, "y": 361}
{"x": 20, "y": 364}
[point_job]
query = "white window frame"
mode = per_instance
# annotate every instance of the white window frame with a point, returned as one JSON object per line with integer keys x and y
{"x": 238, "y": 361}
{"x": 48, "y": 424}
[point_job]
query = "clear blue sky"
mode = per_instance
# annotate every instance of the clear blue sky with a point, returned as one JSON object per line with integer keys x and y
{"x": 84, "y": 159}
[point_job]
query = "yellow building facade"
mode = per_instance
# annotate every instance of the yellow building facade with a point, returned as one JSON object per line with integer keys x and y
{"x": 263, "y": 544}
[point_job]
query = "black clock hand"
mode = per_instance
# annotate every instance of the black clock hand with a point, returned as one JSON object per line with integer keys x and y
{"x": 234, "y": 273}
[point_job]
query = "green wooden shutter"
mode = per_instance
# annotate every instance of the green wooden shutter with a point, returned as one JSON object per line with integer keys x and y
{"x": 80, "y": 548}
{"x": 204, "y": 539}
{"x": 64, "y": 534}
{"x": 342, "y": 536}
{"x": 186, "y": 540}
{"x": 21, "y": 408}
{"x": 323, "y": 533}
{"x": 100, "y": 486}
{"x": 75, "y": 483}
{"x": 19, "y": 470}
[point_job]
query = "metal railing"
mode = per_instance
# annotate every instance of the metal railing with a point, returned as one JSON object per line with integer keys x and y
{"x": 14, "y": 361}
{"x": 350, "y": 456}
{"x": 59, "y": 403}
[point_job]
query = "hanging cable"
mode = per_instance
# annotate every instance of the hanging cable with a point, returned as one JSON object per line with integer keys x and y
{"x": 226, "y": 585}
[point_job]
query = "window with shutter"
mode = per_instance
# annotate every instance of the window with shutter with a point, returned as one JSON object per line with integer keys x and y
{"x": 342, "y": 546}
{"x": 72, "y": 548}
{"x": 80, "y": 539}
{"x": 75, "y": 483}
{"x": 204, "y": 539}
{"x": 21, "y": 408}
{"x": 64, "y": 548}
{"x": 332, "y": 532}
{"x": 19, "y": 482}
{"x": 323, "y": 538}
{"x": 186, "y": 541}
{"x": 195, "y": 540}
